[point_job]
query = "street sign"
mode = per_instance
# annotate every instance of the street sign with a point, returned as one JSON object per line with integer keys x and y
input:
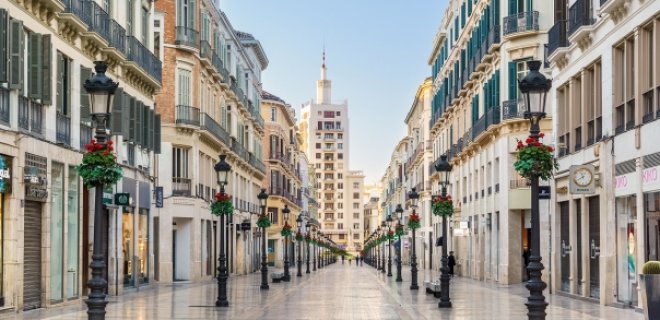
{"x": 122, "y": 199}
{"x": 544, "y": 192}
{"x": 159, "y": 197}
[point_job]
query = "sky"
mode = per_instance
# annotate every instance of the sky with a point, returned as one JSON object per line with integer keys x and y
{"x": 376, "y": 53}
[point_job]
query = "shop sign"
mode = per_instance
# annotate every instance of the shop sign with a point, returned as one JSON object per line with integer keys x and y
{"x": 36, "y": 184}
{"x": 159, "y": 197}
{"x": 107, "y": 194}
{"x": 5, "y": 174}
{"x": 625, "y": 184}
{"x": 122, "y": 199}
{"x": 651, "y": 178}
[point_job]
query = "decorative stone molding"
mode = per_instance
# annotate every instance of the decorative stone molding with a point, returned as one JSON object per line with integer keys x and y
{"x": 617, "y": 9}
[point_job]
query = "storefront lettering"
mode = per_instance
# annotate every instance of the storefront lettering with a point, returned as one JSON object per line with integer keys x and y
{"x": 620, "y": 182}
{"x": 650, "y": 175}
{"x": 5, "y": 174}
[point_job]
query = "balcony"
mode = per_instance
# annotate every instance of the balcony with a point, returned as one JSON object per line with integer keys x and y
{"x": 4, "y": 106}
{"x": 239, "y": 149}
{"x": 557, "y": 36}
{"x": 521, "y": 22}
{"x": 187, "y": 37}
{"x": 97, "y": 20}
{"x": 86, "y": 135}
{"x": 181, "y": 187}
{"x": 143, "y": 58}
{"x": 73, "y": 15}
{"x": 256, "y": 163}
{"x": 219, "y": 67}
{"x": 117, "y": 38}
{"x": 30, "y": 115}
{"x": 187, "y": 115}
{"x": 63, "y": 129}
{"x": 513, "y": 109}
{"x": 207, "y": 123}
{"x": 579, "y": 15}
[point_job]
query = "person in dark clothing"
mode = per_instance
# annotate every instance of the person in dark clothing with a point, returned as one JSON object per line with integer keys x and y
{"x": 357, "y": 261}
{"x": 526, "y": 261}
{"x": 451, "y": 262}
{"x": 342, "y": 259}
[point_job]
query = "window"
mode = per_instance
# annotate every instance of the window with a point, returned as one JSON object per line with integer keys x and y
{"x": 340, "y": 205}
{"x": 340, "y": 186}
{"x": 340, "y": 215}
{"x": 181, "y": 183}
{"x": 186, "y": 13}
{"x": 356, "y": 205}
{"x": 341, "y": 236}
{"x": 356, "y": 215}
{"x": 340, "y": 176}
{"x": 338, "y": 125}
{"x": 356, "y": 236}
{"x": 624, "y": 85}
{"x": 184, "y": 87}
{"x": 356, "y": 195}
{"x": 340, "y": 146}
{"x": 318, "y": 146}
{"x": 273, "y": 114}
{"x": 340, "y": 226}
{"x": 145, "y": 25}
{"x": 356, "y": 226}
{"x": 64, "y": 81}
{"x": 648, "y": 51}
{"x": 340, "y": 195}
{"x": 318, "y": 156}
{"x": 272, "y": 212}
{"x": 338, "y": 113}
{"x": 356, "y": 185}
{"x": 129, "y": 17}
{"x": 340, "y": 156}
{"x": 340, "y": 136}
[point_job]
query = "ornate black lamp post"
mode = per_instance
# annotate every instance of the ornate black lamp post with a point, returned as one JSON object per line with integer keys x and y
{"x": 444, "y": 168}
{"x": 314, "y": 248}
{"x": 221, "y": 170}
{"x": 382, "y": 251}
{"x": 534, "y": 87}
{"x": 101, "y": 91}
{"x": 389, "y": 245}
{"x": 308, "y": 229}
{"x": 299, "y": 221}
{"x": 399, "y": 210}
{"x": 319, "y": 236}
{"x": 287, "y": 276}
{"x": 413, "y": 196}
{"x": 263, "y": 198}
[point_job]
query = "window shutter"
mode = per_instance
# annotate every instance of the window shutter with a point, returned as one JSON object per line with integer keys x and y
{"x": 17, "y": 48}
{"x": 125, "y": 115}
{"x": 191, "y": 14}
{"x": 513, "y": 7}
{"x": 529, "y": 8}
{"x": 85, "y": 116}
{"x": 497, "y": 87}
{"x": 34, "y": 60}
{"x": 157, "y": 134}
{"x": 145, "y": 126}
{"x": 179, "y": 13}
{"x": 131, "y": 122}
{"x": 117, "y": 110}
{"x": 150, "y": 130}
{"x": 138, "y": 121}
{"x": 59, "y": 98}
{"x": 513, "y": 80}
{"x": 46, "y": 77}
{"x": 4, "y": 45}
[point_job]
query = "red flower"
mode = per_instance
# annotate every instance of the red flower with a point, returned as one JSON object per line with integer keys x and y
{"x": 105, "y": 153}
{"x": 541, "y": 134}
{"x": 109, "y": 142}
{"x": 550, "y": 149}
{"x": 93, "y": 141}
{"x": 110, "y": 148}
{"x": 89, "y": 147}
{"x": 97, "y": 147}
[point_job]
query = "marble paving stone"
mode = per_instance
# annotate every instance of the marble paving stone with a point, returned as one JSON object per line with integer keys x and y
{"x": 333, "y": 292}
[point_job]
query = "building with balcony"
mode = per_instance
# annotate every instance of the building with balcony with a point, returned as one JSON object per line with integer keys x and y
{"x": 325, "y": 139}
{"x": 478, "y": 56}
{"x": 606, "y": 97}
{"x": 394, "y": 193}
{"x": 47, "y": 51}
{"x": 210, "y": 106}
{"x": 284, "y": 180}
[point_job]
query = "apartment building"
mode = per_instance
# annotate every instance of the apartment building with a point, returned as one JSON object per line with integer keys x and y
{"x": 325, "y": 139}
{"x": 209, "y": 105}
{"x": 394, "y": 193}
{"x": 606, "y": 96}
{"x": 284, "y": 178}
{"x": 478, "y": 56}
{"x": 47, "y": 50}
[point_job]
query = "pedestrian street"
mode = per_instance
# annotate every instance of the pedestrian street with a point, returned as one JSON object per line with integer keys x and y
{"x": 333, "y": 292}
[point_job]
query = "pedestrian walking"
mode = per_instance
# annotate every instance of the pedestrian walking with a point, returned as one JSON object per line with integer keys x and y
{"x": 342, "y": 259}
{"x": 451, "y": 262}
{"x": 357, "y": 261}
{"x": 349, "y": 260}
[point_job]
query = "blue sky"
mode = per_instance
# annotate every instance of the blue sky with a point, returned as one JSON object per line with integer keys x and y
{"x": 377, "y": 53}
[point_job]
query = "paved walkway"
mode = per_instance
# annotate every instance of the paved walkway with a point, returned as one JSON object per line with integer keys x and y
{"x": 334, "y": 292}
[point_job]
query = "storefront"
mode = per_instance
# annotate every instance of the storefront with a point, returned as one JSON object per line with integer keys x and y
{"x": 135, "y": 234}
{"x": 5, "y": 188}
{"x": 625, "y": 190}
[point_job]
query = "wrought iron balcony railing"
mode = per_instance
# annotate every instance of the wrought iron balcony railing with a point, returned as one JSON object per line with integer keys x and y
{"x": 187, "y": 36}
{"x": 557, "y": 36}
{"x": 187, "y": 115}
{"x": 579, "y": 14}
{"x": 63, "y": 129}
{"x": 521, "y": 22}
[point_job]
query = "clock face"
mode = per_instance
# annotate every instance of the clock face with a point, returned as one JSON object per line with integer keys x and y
{"x": 583, "y": 177}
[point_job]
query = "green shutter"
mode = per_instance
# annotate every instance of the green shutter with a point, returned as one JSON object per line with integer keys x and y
{"x": 513, "y": 80}
{"x": 513, "y": 7}
{"x": 529, "y": 8}
{"x": 34, "y": 58}
{"x": 117, "y": 110}
{"x": 145, "y": 126}
{"x": 4, "y": 46}
{"x": 16, "y": 51}
{"x": 157, "y": 134}
{"x": 496, "y": 12}
{"x": 59, "y": 95}
{"x": 139, "y": 106}
{"x": 125, "y": 115}
{"x": 191, "y": 14}
{"x": 85, "y": 116}
{"x": 46, "y": 75}
{"x": 150, "y": 130}
{"x": 131, "y": 120}
{"x": 179, "y": 13}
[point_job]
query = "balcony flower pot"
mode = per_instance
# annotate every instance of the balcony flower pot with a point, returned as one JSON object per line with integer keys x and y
{"x": 650, "y": 281}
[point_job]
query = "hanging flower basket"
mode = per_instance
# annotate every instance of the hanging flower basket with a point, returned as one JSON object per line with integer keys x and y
{"x": 99, "y": 165}
{"x": 442, "y": 206}
{"x": 286, "y": 230}
{"x": 413, "y": 221}
{"x": 222, "y": 204}
{"x": 390, "y": 235}
{"x": 535, "y": 158}
{"x": 299, "y": 236}
{"x": 263, "y": 221}
{"x": 399, "y": 229}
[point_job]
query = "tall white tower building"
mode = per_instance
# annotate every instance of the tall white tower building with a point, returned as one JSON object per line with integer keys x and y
{"x": 325, "y": 139}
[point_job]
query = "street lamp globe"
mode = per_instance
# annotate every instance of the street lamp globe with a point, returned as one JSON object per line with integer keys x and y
{"x": 444, "y": 168}
{"x": 299, "y": 220}
{"x": 101, "y": 90}
{"x": 399, "y": 210}
{"x": 389, "y": 221}
{"x": 286, "y": 212}
{"x": 534, "y": 87}
{"x": 222, "y": 169}
{"x": 263, "y": 197}
{"x": 413, "y": 196}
